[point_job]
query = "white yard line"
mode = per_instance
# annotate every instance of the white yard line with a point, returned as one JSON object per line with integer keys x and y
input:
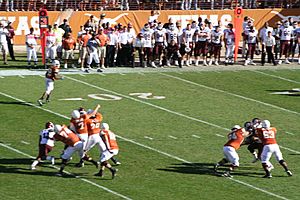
{"x": 147, "y": 147}
{"x": 220, "y": 135}
{"x": 101, "y": 74}
{"x": 274, "y": 76}
{"x": 231, "y": 94}
{"x": 173, "y": 137}
{"x": 290, "y": 133}
{"x": 24, "y": 142}
{"x": 1, "y": 76}
{"x": 21, "y": 76}
{"x": 147, "y": 137}
{"x": 78, "y": 177}
{"x": 122, "y": 74}
{"x": 81, "y": 75}
{"x": 196, "y": 136}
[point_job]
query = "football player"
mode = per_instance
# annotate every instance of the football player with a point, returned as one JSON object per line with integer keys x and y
{"x": 46, "y": 144}
{"x": 235, "y": 139}
{"x": 50, "y": 76}
{"x": 160, "y": 43}
{"x": 252, "y": 41}
{"x": 285, "y": 34}
{"x": 73, "y": 142}
{"x": 186, "y": 47}
{"x": 112, "y": 149}
{"x": 31, "y": 47}
{"x": 216, "y": 42}
{"x": 148, "y": 45}
{"x": 229, "y": 38}
{"x": 267, "y": 135}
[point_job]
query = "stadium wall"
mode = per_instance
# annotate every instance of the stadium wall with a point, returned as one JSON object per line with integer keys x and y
{"x": 22, "y": 21}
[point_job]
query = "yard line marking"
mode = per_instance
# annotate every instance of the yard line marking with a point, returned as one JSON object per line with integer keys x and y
{"x": 24, "y": 142}
{"x": 141, "y": 73}
{"x": 196, "y": 136}
{"x": 1, "y": 76}
{"x": 147, "y": 137}
{"x": 290, "y": 133}
{"x": 231, "y": 94}
{"x": 101, "y": 74}
{"x": 173, "y": 137}
{"x": 158, "y": 107}
{"x": 220, "y": 135}
{"x": 289, "y": 149}
{"x": 81, "y": 75}
{"x": 274, "y": 76}
{"x": 122, "y": 74}
{"x": 42, "y": 76}
{"x": 144, "y": 146}
{"x": 21, "y": 76}
{"x": 147, "y": 103}
{"x": 83, "y": 179}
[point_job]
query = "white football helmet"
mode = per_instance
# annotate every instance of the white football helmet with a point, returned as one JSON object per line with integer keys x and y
{"x": 89, "y": 111}
{"x": 57, "y": 128}
{"x": 172, "y": 27}
{"x": 55, "y": 63}
{"x": 235, "y": 127}
{"x": 265, "y": 124}
{"x": 105, "y": 126}
{"x": 75, "y": 114}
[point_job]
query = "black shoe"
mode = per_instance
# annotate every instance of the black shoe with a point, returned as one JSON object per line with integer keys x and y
{"x": 267, "y": 176}
{"x": 99, "y": 70}
{"x": 289, "y": 173}
{"x": 79, "y": 164}
{"x": 100, "y": 174}
{"x": 87, "y": 71}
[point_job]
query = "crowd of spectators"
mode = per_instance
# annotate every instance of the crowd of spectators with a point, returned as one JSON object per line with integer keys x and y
{"x": 83, "y": 5}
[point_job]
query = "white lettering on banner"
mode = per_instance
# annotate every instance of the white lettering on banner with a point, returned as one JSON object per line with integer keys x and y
{"x": 34, "y": 22}
{"x": 185, "y": 19}
{"x": 22, "y": 26}
{"x": 105, "y": 97}
{"x": 146, "y": 96}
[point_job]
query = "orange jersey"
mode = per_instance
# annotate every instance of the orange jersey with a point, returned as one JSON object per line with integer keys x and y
{"x": 67, "y": 136}
{"x": 103, "y": 39}
{"x": 267, "y": 136}
{"x": 80, "y": 124}
{"x": 85, "y": 39}
{"x": 94, "y": 124}
{"x": 236, "y": 138}
{"x": 110, "y": 139}
{"x": 69, "y": 43}
{"x": 52, "y": 72}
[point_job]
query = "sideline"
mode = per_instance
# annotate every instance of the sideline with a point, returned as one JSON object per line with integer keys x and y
{"x": 150, "y": 148}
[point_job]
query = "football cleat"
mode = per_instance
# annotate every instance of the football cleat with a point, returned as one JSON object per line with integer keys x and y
{"x": 32, "y": 167}
{"x": 216, "y": 167}
{"x": 227, "y": 174}
{"x": 113, "y": 173}
{"x": 79, "y": 164}
{"x": 118, "y": 163}
{"x": 267, "y": 176}
{"x": 40, "y": 102}
{"x": 58, "y": 174}
{"x": 100, "y": 173}
{"x": 99, "y": 70}
{"x": 53, "y": 161}
{"x": 289, "y": 173}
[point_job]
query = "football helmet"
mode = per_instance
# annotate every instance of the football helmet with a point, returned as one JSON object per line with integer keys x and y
{"x": 265, "y": 124}
{"x": 248, "y": 126}
{"x": 256, "y": 122}
{"x": 49, "y": 125}
{"x": 55, "y": 63}
{"x": 57, "y": 128}
{"x": 75, "y": 114}
{"x": 159, "y": 26}
{"x": 147, "y": 27}
{"x": 105, "y": 126}
{"x": 172, "y": 27}
{"x": 235, "y": 127}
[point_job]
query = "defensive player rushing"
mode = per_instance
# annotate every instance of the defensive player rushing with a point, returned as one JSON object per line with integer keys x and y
{"x": 267, "y": 135}
{"x": 50, "y": 76}
{"x": 111, "y": 150}
{"x": 235, "y": 139}
{"x": 46, "y": 143}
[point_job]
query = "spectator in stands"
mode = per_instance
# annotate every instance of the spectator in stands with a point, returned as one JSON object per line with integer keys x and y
{"x": 186, "y": 4}
{"x": 3, "y": 42}
{"x": 9, "y": 5}
{"x": 18, "y": 6}
{"x": 31, "y": 47}
{"x": 95, "y": 4}
{"x": 69, "y": 45}
{"x": 10, "y": 40}
{"x": 31, "y": 5}
{"x": 124, "y": 5}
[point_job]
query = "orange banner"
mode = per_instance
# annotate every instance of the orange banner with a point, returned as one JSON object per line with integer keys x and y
{"x": 22, "y": 21}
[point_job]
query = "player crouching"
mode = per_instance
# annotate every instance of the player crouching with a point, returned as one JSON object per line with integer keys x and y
{"x": 112, "y": 149}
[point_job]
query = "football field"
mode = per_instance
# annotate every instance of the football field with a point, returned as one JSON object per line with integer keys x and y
{"x": 171, "y": 127}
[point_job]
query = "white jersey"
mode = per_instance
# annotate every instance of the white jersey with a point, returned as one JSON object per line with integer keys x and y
{"x": 188, "y": 35}
{"x": 216, "y": 37}
{"x": 50, "y": 39}
{"x": 252, "y": 37}
{"x": 203, "y": 35}
{"x": 159, "y": 35}
{"x": 229, "y": 36}
{"x": 172, "y": 35}
{"x": 147, "y": 34}
{"x": 31, "y": 39}
{"x": 286, "y": 33}
{"x": 264, "y": 32}
{"x": 47, "y": 137}
{"x": 3, "y": 33}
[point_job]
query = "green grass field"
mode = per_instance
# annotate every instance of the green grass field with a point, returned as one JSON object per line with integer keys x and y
{"x": 168, "y": 145}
